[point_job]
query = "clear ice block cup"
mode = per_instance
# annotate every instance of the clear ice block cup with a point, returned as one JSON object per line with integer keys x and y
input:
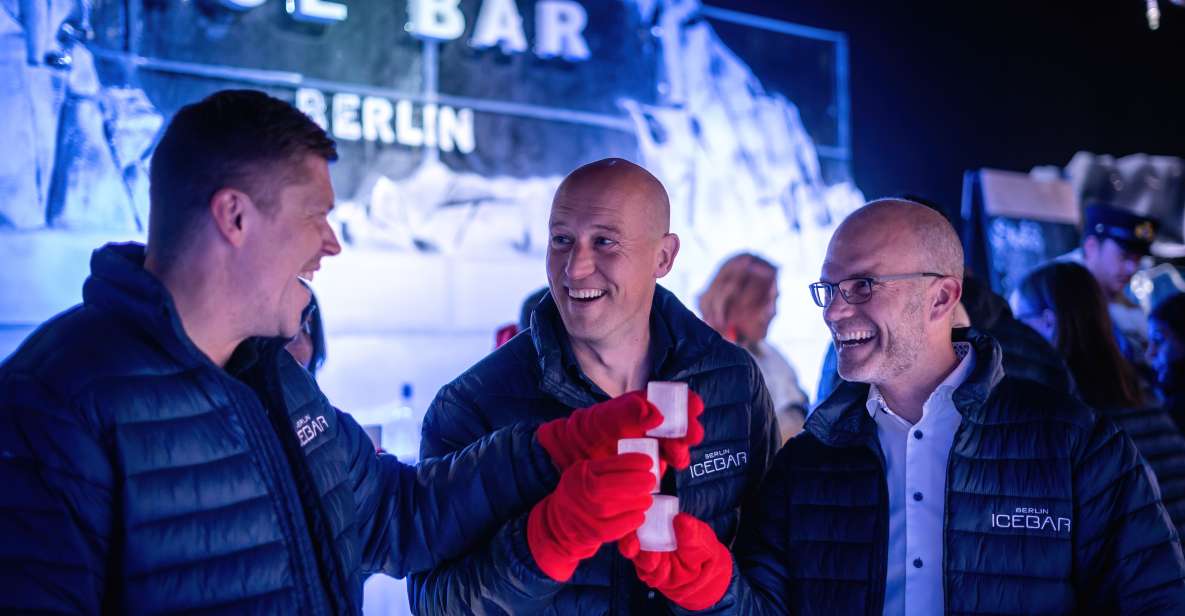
{"x": 671, "y": 399}
{"x": 648, "y": 446}
{"x": 657, "y": 533}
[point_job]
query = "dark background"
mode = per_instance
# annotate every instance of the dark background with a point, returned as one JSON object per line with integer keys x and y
{"x": 938, "y": 88}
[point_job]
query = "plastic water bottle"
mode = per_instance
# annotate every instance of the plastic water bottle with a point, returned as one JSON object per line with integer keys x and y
{"x": 401, "y": 431}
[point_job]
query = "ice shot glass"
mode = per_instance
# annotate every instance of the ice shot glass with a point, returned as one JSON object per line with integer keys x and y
{"x": 648, "y": 446}
{"x": 657, "y": 533}
{"x": 671, "y": 399}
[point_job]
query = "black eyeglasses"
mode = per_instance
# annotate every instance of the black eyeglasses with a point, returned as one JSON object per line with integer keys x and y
{"x": 856, "y": 290}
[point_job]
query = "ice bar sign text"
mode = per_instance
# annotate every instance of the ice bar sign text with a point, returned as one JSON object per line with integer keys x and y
{"x": 559, "y": 24}
{"x": 350, "y": 117}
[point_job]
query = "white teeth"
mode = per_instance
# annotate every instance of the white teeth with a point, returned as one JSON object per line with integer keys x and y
{"x": 585, "y": 293}
{"x": 854, "y": 336}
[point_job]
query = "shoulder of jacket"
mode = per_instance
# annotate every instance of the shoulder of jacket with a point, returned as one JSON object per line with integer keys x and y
{"x": 511, "y": 367}
{"x": 76, "y": 352}
{"x": 1019, "y": 400}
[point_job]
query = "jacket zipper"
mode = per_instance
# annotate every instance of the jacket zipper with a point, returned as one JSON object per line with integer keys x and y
{"x": 266, "y": 448}
{"x": 950, "y": 457}
{"x": 877, "y": 605}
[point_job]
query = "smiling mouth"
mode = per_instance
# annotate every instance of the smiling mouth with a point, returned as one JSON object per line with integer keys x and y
{"x": 585, "y": 296}
{"x": 307, "y": 275}
{"x": 853, "y": 339}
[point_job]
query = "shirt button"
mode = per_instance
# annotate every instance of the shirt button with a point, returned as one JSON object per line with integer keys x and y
{"x": 917, "y": 563}
{"x": 650, "y": 595}
{"x": 917, "y": 496}
{"x": 917, "y": 434}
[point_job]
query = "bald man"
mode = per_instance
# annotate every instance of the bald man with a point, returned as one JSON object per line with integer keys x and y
{"x": 604, "y": 329}
{"x": 931, "y": 482}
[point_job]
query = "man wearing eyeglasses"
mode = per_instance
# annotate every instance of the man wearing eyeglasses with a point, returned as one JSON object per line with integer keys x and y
{"x": 931, "y": 481}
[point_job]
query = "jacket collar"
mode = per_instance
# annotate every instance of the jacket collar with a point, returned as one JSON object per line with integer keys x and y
{"x": 842, "y": 419}
{"x": 119, "y": 283}
{"x": 679, "y": 342}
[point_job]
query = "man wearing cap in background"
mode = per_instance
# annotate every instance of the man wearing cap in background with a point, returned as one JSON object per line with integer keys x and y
{"x": 1113, "y": 243}
{"x": 605, "y": 328}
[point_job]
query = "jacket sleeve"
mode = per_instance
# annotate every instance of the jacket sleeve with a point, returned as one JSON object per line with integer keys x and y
{"x": 1127, "y": 555}
{"x": 56, "y": 511}
{"x": 760, "y": 583}
{"x": 763, "y": 432}
{"x": 498, "y": 575}
{"x": 414, "y": 518}
{"x": 765, "y": 439}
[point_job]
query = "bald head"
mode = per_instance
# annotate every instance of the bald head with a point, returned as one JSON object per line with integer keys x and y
{"x": 908, "y": 233}
{"x": 616, "y": 182}
{"x": 610, "y": 242}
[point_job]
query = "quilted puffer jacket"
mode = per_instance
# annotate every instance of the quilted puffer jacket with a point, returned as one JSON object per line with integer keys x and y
{"x": 535, "y": 377}
{"x": 1049, "y": 510}
{"x": 138, "y": 477}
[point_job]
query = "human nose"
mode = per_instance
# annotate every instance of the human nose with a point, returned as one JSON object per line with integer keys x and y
{"x": 329, "y": 244}
{"x": 580, "y": 261}
{"x": 838, "y": 308}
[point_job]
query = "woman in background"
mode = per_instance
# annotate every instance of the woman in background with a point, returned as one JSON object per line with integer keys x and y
{"x": 1065, "y": 304}
{"x": 740, "y": 303}
{"x": 1166, "y": 354}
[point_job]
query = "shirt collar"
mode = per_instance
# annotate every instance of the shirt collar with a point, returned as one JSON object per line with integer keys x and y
{"x": 966, "y": 355}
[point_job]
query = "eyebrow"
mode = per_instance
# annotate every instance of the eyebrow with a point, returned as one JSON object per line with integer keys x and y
{"x": 602, "y": 227}
{"x": 861, "y": 274}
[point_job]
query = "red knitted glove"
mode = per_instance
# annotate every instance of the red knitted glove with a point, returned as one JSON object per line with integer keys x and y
{"x": 694, "y": 576}
{"x": 593, "y": 432}
{"x": 596, "y": 501}
{"x": 675, "y": 451}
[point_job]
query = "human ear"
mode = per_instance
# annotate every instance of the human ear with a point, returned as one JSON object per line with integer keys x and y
{"x": 946, "y": 298}
{"x": 228, "y": 207}
{"x": 667, "y": 251}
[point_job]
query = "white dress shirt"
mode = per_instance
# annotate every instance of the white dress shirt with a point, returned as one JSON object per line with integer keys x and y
{"x": 915, "y": 470}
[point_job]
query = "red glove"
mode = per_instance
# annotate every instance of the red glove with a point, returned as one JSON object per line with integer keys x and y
{"x": 675, "y": 451}
{"x": 694, "y": 576}
{"x": 596, "y": 501}
{"x": 593, "y": 432}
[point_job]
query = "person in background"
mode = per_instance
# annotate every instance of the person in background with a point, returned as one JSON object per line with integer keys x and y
{"x": 1114, "y": 241}
{"x": 1064, "y": 303}
{"x": 740, "y": 303}
{"x": 504, "y": 333}
{"x": 1166, "y": 354}
{"x": 308, "y": 346}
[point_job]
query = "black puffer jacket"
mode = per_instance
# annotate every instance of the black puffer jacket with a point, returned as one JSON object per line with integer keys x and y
{"x": 1163, "y": 446}
{"x": 535, "y": 378}
{"x": 818, "y": 542}
{"x": 138, "y": 477}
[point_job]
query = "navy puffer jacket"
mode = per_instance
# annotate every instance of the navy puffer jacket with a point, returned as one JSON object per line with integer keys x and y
{"x": 1049, "y": 510}
{"x": 1163, "y": 446}
{"x": 534, "y": 377}
{"x": 138, "y": 477}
